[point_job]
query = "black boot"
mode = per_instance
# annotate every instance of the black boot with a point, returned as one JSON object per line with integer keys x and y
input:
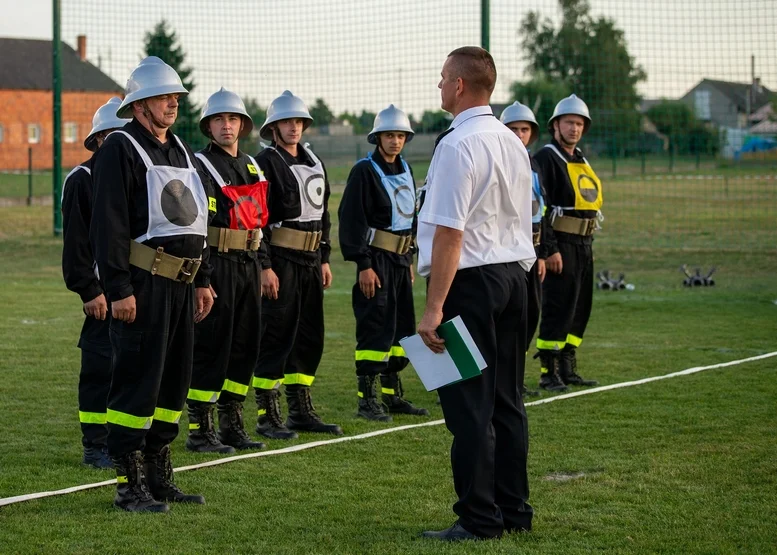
{"x": 231, "y": 430}
{"x": 131, "y": 492}
{"x": 526, "y": 392}
{"x": 159, "y": 475}
{"x": 269, "y": 423}
{"x": 302, "y": 414}
{"x": 369, "y": 407}
{"x": 550, "y": 362}
{"x": 568, "y": 371}
{"x": 97, "y": 457}
{"x": 202, "y": 437}
{"x": 393, "y": 396}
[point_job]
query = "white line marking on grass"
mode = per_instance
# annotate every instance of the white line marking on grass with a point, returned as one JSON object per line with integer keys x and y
{"x": 312, "y": 444}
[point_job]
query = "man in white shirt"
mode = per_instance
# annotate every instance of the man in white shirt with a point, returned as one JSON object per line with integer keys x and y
{"x": 475, "y": 245}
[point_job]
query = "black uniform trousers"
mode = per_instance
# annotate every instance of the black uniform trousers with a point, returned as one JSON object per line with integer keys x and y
{"x": 152, "y": 365}
{"x": 486, "y": 414}
{"x": 226, "y": 343}
{"x": 384, "y": 319}
{"x": 292, "y": 327}
{"x": 567, "y": 298}
{"x": 94, "y": 381}
{"x": 533, "y": 302}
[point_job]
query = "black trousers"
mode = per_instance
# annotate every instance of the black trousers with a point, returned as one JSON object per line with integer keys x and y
{"x": 486, "y": 414}
{"x": 94, "y": 381}
{"x": 226, "y": 343}
{"x": 292, "y": 327}
{"x": 152, "y": 365}
{"x": 384, "y": 319}
{"x": 567, "y": 298}
{"x": 534, "y": 302}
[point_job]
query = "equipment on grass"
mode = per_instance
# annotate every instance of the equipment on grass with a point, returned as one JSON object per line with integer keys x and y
{"x": 697, "y": 280}
{"x": 606, "y": 283}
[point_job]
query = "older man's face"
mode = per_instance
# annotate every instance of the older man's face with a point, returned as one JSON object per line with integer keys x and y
{"x": 164, "y": 108}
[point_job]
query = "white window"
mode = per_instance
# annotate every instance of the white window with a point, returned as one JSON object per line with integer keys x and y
{"x": 33, "y": 133}
{"x": 71, "y": 132}
{"x": 702, "y": 104}
{"x": 2, "y": 133}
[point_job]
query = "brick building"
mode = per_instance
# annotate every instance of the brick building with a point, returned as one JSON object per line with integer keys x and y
{"x": 26, "y": 103}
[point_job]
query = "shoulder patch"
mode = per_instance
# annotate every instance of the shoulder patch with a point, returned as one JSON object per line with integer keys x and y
{"x": 252, "y": 169}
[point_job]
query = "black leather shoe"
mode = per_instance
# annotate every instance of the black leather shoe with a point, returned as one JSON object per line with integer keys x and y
{"x": 455, "y": 533}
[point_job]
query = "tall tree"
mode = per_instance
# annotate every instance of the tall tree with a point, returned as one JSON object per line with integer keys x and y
{"x": 434, "y": 121}
{"x": 590, "y": 56}
{"x": 321, "y": 113}
{"x": 162, "y": 42}
{"x": 362, "y": 124}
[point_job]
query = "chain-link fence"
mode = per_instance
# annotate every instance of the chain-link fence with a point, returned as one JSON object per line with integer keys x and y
{"x": 684, "y": 119}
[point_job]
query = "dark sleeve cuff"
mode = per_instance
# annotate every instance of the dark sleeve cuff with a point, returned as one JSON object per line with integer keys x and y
{"x": 201, "y": 280}
{"x": 90, "y": 293}
{"x": 364, "y": 263}
{"x": 121, "y": 293}
{"x": 325, "y": 250}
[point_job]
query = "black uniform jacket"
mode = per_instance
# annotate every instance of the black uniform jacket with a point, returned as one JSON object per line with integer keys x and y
{"x": 365, "y": 205}
{"x": 77, "y": 257}
{"x": 234, "y": 171}
{"x": 559, "y": 190}
{"x": 120, "y": 210}
{"x": 284, "y": 203}
{"x": 548, "y": 239}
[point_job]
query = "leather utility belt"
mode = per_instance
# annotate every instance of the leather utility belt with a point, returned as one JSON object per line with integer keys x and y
{"x": 288, "y": 238}
{"x": 226, "y": 240}
{"x": 575, "y": 226}
{"x": 391, "y": 242}
{"x": 161, "y": 264}
{"x": 536, "y": 237}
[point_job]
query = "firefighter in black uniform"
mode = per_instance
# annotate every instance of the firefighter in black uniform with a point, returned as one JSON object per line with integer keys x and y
{"x": 521, "y": 121}
{"x": 574, "y": 196}
{"x": 294, "y": 273}
{"x": 377, "y": 221}
{"x": 226, "y": 343}
{"x": 149, "y": 224}
{"x": 79, "y": 271}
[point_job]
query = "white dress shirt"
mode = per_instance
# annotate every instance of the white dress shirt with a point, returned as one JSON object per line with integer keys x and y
{"x": 479, "y": 182}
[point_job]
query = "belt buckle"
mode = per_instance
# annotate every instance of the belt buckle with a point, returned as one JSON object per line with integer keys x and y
{"x": 315, "y": 240}
{"x": 404, "y": 244}
{"x": 590, "y": 227}
{"x": 253, "y": 237}
{"x": 189, "y": 267}
{"x": 157, "y": 259}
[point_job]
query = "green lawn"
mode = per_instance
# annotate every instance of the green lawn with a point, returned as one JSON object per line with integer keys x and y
{"x": 678, "y": 466}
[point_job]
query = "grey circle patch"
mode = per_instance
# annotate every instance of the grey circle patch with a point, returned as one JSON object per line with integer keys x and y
{"x": 403, "y": 196}
{"x": 314, "y": 190}
{"x": 589, "y": 193}
{"x": 178, "y": 204}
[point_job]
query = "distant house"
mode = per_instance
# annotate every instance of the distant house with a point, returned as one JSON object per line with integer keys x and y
{"x": 26, "y": 104}
{"x": 726, "y": 104}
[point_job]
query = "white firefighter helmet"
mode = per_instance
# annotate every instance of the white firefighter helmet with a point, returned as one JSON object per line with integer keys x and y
{"x": 571, "y": 106}
{"x": 151, "y": 78}
{"x": 225, "y": 102}
{"x": 103, "y": 120}
{"x": 390, "y": 119}
{"x": 286, "y": 106}
{"x": 520, "y": 112}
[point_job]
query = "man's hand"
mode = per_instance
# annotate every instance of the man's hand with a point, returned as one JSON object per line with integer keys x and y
{"x": 368, "y": 282}
{"x": 427, "y": 329}
{"x": 203, "y": 299}
{"x": 124, "y": 310}
{"x": 97, "y": 308}
{"x": 326, "y": 275}
{"x": 541, "y": 269}
{"x": 270, "y": 284}
{"x": 554, "y": 263}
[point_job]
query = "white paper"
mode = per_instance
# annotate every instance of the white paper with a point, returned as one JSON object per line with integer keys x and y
{"x": 435, "y": 370}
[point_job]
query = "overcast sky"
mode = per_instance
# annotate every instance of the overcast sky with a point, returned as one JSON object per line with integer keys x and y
{"x": 358, "y": 54}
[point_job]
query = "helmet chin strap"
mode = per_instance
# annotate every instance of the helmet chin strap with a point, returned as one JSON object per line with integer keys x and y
{"x": 279, "y": 137}
{"x": 152, "y": 120}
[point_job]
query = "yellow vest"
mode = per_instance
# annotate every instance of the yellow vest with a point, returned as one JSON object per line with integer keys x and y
{"x": 588, "y": 188}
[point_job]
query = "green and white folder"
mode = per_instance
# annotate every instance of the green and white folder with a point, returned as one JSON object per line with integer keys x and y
{"x": 460, "y": 360}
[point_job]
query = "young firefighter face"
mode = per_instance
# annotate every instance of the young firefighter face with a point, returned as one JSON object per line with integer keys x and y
{"x": 522, "y": 130}
{"x": 392, "y": 142}
{"x": 569, "y": 129}
{"x": 225, "y": 128}
{"x": 289, "y": 131}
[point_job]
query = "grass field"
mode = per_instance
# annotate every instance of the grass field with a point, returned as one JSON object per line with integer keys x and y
{"x": 685, "y": 465}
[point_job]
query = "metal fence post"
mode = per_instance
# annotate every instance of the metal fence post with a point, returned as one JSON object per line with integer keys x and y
{"x": 29, "y": 176}
{"x": 56, "y": 78}
{"x": 485, "y": 24}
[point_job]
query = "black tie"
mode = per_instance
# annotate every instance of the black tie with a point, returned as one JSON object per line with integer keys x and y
{"x": 440, "y": 137}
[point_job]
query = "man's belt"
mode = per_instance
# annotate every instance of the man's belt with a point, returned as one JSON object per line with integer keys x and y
{"x": 575, "y": 226}
{"x": 391, "y": 242}
{"x": 234, "y": 239}
{"x": 288, "y": 238}
{"x": 536, "y": 237}
{"x": 161, "y": 264}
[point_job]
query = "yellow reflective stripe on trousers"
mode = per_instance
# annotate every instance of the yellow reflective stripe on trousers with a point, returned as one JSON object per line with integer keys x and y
{"x": 128, "y": 420}
{"x": 550, "y": 345}
{"x": 298, "y": 379}
{"x": 397, "y": 351}
{"x": 203, "y": 396}
{"x": 264, "y": 383}
{"x": 167, "y": 415}
{"x": 234, "y": 387}
{"x": 574, "y": 340}
{"x": 92, "y": 417}
{"x": 374, "y": 356}
{"x": 386, "y": 391}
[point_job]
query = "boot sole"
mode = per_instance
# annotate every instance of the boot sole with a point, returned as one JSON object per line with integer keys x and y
{"x": 163, "y": 508}
{"x": 283, "y": 435}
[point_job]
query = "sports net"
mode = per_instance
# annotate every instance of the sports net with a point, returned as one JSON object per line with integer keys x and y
{"x": 684, "y": 120}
